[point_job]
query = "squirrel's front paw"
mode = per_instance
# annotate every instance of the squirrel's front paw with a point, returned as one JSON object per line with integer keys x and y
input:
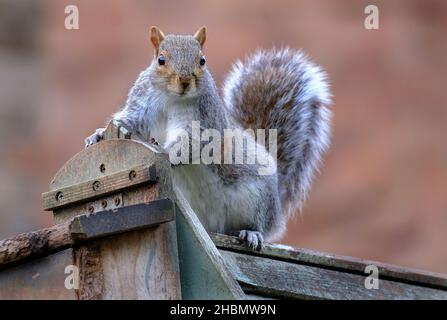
{"x": 95, "y": 138}
{"x": 253, "y": 239}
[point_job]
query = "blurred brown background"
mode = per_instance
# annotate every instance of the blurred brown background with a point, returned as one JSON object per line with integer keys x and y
{"x": 382, "y": 192}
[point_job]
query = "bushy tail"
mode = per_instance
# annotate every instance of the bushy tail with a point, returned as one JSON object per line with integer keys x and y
{"x": 283, "y": 90}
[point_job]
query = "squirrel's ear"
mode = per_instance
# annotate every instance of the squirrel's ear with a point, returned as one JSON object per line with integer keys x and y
{"x": 157, "y": 36}
{"x": 200, "y": 36}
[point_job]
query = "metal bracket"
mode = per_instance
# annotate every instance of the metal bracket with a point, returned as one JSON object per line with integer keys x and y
{"x": 108, "y": 203}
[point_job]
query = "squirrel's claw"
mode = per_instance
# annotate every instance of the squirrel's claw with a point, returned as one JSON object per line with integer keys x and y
{"x": 94, "y": 138}
{"x": 253, "y": 239}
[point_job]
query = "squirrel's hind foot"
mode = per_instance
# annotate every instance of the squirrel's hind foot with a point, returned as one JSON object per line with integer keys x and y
{"x": 253, "y": 239}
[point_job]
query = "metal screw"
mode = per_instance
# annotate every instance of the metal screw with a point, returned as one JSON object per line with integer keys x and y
{"x": 117, "y": 201}
{"x": 132, "y": 175}
{"x": 102, "y": 168}
{"x": 91, "y": 209}
{"x": 96, "y": 185}
{"x": 59, "y": 196}
{"x": 104, "y": 203}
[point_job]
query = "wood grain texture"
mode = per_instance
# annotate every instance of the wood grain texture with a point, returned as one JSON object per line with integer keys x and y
{"x": 98, "y": 187}
{"x": 87, "y": 258}
{"x": 34, "y": 244}
{"x": 116, "y": 155}
{"x": 129, "y": 218}
{"x": 335, "y": 262}
{"x": 105, "y": 158}
{"x": 276, "y": 278}
{"x": 140, "y": 265}
{"x": 135, "y": 265}
{"x": 115, "y": 131}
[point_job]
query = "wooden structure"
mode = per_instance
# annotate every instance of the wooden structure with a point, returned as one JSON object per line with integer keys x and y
{"x": 123, "y": 231}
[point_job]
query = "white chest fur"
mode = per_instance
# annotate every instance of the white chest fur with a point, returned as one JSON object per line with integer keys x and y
{"x": 220, "y": 208}
{"x": 169, "y": 117}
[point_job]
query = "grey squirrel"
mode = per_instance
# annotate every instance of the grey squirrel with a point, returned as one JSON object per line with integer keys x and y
{"x": 275, "y": 89}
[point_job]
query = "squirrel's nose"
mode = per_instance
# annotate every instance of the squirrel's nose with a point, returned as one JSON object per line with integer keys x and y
{"x": 184, "y": 82}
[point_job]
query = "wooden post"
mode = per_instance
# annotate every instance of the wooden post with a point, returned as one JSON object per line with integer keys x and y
{"x": 114, "y": 174}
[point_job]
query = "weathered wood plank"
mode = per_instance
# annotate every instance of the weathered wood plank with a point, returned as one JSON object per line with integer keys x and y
{"x": 276, "y": 278}
{"x": 99, "y": 186}
{"x": 336, "y": 262}
{"x": 122, "y": 220}
{"x": 39, "y": 279}
{"x": 87, "y": 258}
{"x": 105, "y": 158}
{"x": 136, "y": 265}
{"x": 110, "y": 202}
{"x": 86, "y": 227}
{"x": 115, "y": 131}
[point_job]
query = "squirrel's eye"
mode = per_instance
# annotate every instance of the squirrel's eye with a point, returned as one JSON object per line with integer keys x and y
{"x": 202, "y": 61}
{"x": 161, "y": 60}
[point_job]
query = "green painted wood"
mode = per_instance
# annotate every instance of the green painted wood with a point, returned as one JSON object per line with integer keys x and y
{"x": 334, "y": 262}
{"x": 282, "y": 279}
{"x": 203, "y": 272}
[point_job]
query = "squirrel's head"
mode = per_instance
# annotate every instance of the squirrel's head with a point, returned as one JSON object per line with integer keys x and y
{"x": 179, "y": 62}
